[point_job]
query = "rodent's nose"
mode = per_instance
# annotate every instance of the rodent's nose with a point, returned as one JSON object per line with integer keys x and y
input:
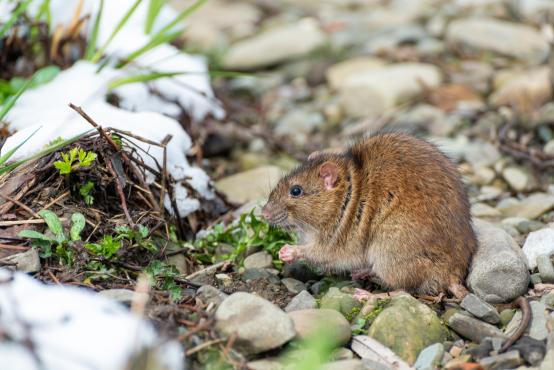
{"x": 266, "y": 212}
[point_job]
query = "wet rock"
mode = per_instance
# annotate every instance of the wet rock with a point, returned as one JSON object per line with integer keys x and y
{"x": 407, "y": 326}
{"x": 293, "y": 285}
{"x": 275, "y": 45}
{"x": 526, "y": 91}
{"x": 546, "y": 270}
{"x": 373, "y": 92}
{"x": 27, "y": 261}
{"x": 508, "y": 360}
{"x": 344, "y": 365}
{"x": 498, "y": 269}
{"x": 341, "y": 72}
{"x": 125, "y": 296}
{"x": 530, "y": 207}
{"x": 310, "y": 322}
{"x": 473, "y": 329}
{"x": 480, "y": 309}
{"x": 430, "y": 358}
{"x": 339, "y": 301}
{"x": 537, "y": 243}
{"x": 209, "y": 294}
{"x": 258, "y": 324}
{"x": 519, "y": 178}
{"x": 477, "y": 35}
{"x": 249, "y": 185}
{"x": 260, "y": 260}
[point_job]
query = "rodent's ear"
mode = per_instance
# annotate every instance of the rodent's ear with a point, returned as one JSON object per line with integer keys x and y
{"x": 329, "y": 172}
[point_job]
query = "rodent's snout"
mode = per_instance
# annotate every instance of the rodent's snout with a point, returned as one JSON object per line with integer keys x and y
{"x": 266, "y": 212}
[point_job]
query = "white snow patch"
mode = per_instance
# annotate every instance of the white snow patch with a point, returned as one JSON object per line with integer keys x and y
{"x": 46, "y": 108}
{"x": 72, "y": 328}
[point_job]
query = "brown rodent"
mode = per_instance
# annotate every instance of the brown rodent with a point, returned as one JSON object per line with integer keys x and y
{"x": 391, "y": 203}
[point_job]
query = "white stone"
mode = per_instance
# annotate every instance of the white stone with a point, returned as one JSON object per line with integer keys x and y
{"x": 373, "y": 92}
{"x": 284, "y": 42}
{"x": 537, "y": 243}
{"x": 338, "y": 73}
{"x": 484, "y": 211}
{"x": 530, "y": 207}
{"x": 518, "y": 178}
{"x": 505, "y": 38}
{"x": 250, "y": 185}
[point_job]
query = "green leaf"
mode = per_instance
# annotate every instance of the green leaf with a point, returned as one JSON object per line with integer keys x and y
{"x": 154, "y": 8}
{"x": 16, "y": 13}
{"x": 44, "y": 11}
{"x": 6, "y": 157}
{"x": 85, "y": 190}
{"x": 64, "y": 167}
{"x": 120, "y": 25}
{"x": 77, "y": 226}
{"x": 10, "y": 102}
{"x": 44, "y": 75}
{"x": 53, "y": 223}
{"x": 91, "y": 45}
{"x": 88, "y": 159}
{"x": 31, "y": 234}
{"x": 151, "y": 44}
{"x": 181, "y": 17}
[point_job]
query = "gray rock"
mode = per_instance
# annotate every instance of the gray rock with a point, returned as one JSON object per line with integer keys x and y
{"x": 339, "y": 73}
{"x": 476, "y": 35}
{"x": 523, "y": 225}
{"x": 480, "y": 309}
{"x": 519, "y": 178}
{"x": 125, "y": 296}
{"x": 498, "y": 269}
{"x": 224, "y": 279}
{"x": 548, "y": 361}
{"x": 298, "y": 123}
{"x": 546, "y": 270}
{"x": 209, "y": 294}
{"x": 344, "y": 365}
{"x": 536, "y": 279}
{"x": 27, "y": 261}
{"x": 430, "y": 358}
{"x": 407, "y": 326}
{"x": 254, "y": 274}
{"x": 508, "y": 360}
{"x": 388, "y": 39}
{"x": 473, "y": 329}
{"x": 260, "y": 260}
{"x": 317, "y": 321}
{"x": 299, "y": 270}
{"x": 342, "y": 354}
{"x": 293, "y": 285}
{"x": 275, "y": 45}
{"x": 340, "y": 301}
{"x": 249, "y": 185}
{"x": 530, "y": 207}
{"x": 537, "y": 327}
{"x": 258, "y": 324}
{"x": 376, "y": 356}
{"x": 374, "y": 92}
{"x": 548, "y": 300}
{"x": 540, "y": 242}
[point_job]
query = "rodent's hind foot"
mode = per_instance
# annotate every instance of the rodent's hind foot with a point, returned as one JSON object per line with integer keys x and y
{"x": 288, "y": 253}
{"x": 458, "y": 290}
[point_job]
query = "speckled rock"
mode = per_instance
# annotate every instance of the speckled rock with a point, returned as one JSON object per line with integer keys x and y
{"x": 407, "y": 326}
{"x": 310, "y": 322}
{"x": 258, "y": 324}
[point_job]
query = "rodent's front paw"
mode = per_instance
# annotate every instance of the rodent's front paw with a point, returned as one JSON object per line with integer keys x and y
{"x": 288, "y": 253}
{"x": 361, "y": 295}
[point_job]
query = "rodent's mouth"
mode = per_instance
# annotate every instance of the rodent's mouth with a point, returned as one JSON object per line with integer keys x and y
{"x": 279, "y": 220}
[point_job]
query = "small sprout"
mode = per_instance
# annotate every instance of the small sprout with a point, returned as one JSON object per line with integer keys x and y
{"x": 76, "y": 158}
{"x": 106, "y": 248}
{"x": 85, "y": 191}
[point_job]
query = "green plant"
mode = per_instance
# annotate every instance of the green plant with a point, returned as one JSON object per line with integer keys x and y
{"x": 85, "y": 190}
{"x": 248, "y": 232}
{"x": 11, "y": 91}
{"x": 107, "y": 247}
{"x": 312, "y": 352}
{"x": 92, "y": 41}
{"x": 16, "y": 13}
{"x": 138, "y": 237}
{"x": 362, "y": 323}
{"x": 164, "y": 275}
{"x": 154, "y": 8}
{"x": 76, "y": 158}
{"x": 62, "y": 244}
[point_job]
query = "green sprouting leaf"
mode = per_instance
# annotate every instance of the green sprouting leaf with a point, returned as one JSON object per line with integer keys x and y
{"x": 10, "y": 102}
{"x": 91, "y": 45}
{"x": 44, "y": 75}
{"x": 31, "y": 234}
{"x": 63, "y": 166}
{"x": 151, "y": 44}
{"x": 44, "y": 246}
{"x": 143, "y": 230}
{"x": 106, "y": 248}
{"x": 77, "y": 226}
{"x": 180, "y": 17}
{"x": 44, "y": 11}
{"x": 85, "y": 191}
{"x": 53, "y": 223}
{"x": 16, "y": 13}
{"x": 88, "y": 159}
{"x": 141, "y": 78}
{"x": 116, "y": 30}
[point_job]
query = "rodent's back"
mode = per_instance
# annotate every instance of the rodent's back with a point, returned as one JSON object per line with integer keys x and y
{"x": 415, "y": 219}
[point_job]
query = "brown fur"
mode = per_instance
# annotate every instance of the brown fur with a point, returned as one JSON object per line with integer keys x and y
{"x": 407, "y": 216}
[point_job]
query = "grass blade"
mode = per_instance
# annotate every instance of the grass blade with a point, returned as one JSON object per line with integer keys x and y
{"x": 44, "y": 11}
{"x": 10, "y": 102}
{"x": 42, "y": 153}
{"x": 120, "y": 25}
{"x": 152, "y": 44}
{"x": 182, "y": 16}
{"x": 91, "y": 46}
{"x": 154, "y": 8}
{"x": 5, "y": 157}
{"x": 17, "y": 12}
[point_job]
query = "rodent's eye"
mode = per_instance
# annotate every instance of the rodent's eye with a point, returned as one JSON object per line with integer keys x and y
{"x": 296, "y": 191}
